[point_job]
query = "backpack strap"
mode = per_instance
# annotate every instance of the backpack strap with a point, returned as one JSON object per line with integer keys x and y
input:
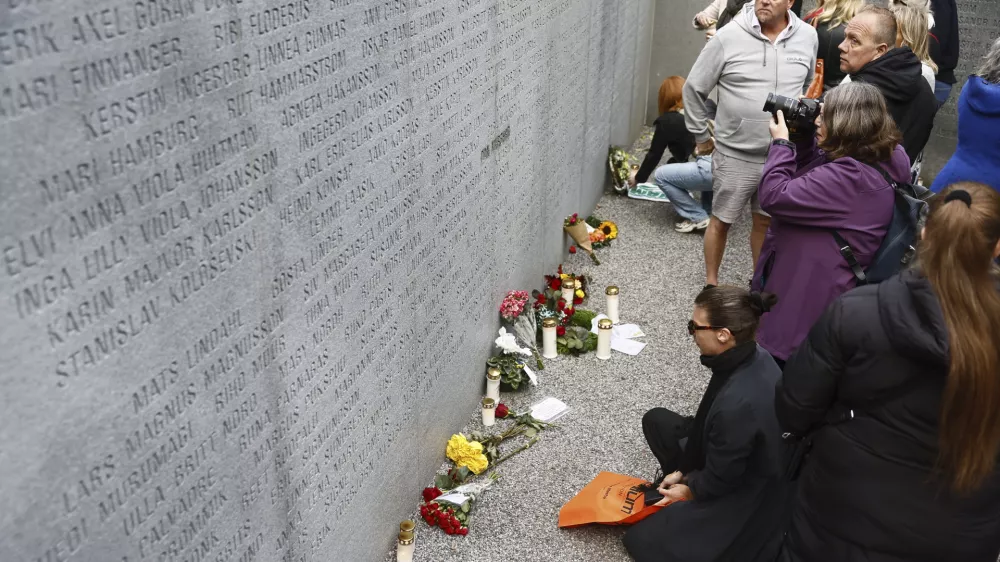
{"x": 882, "y": 172}
{"x": 850, "y": 258}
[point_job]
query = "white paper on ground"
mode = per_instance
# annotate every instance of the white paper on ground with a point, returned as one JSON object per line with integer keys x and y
{"x": 627, "y": 331}
{"x": 549, "y": 409}
{"x": 531, "y": 375}
{"x": 627, "y": 346}
{"x": 457, "y": 499}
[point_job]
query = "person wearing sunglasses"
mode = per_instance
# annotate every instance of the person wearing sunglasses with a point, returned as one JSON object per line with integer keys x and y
{"x": 724, "y": 491}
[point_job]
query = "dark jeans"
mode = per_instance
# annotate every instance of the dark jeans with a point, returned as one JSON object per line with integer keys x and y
{"x": 666, "y": 433}
{"x": 941, "y": 92}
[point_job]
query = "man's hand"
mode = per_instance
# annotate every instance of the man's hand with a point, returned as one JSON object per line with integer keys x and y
{"x": 705, "y": 148}
{"x": 702, "y": 20}
{"x": 710, "y": 33}
{"x": 778, "y": 127}
{"x": 672, "y": 491}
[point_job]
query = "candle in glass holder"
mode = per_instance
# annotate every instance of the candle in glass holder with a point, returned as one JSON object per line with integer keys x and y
{"x": 604, "y": 338}
{"x": 489, "y": 411}
{"x": 568, "y": 290}
{"x": 549, "y": 338}
{"x": 493, "y": 383}
{"x": 612, "y": 303}
{"x": 404, "y": 550}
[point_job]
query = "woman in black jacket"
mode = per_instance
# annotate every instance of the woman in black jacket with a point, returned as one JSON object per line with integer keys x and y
{"x": 830, "y": 20}
{"x": 723, "y": 489}
{"x": 898, "y": 383}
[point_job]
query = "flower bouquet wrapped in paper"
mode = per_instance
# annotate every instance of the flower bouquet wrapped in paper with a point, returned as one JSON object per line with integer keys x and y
{"x": 521, "y": 320}
{"x": 577, "y": 230}
{"x": 621, "y": 169}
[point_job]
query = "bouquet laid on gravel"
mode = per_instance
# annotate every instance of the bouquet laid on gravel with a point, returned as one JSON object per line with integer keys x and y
{"x": 573, "y": 335}
{"x": 452, "y": 511}
{"x": 521, "y": 320}
{"x": 577, "y": 230}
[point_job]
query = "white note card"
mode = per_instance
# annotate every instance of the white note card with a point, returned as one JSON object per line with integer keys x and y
{"x": 549, "y": 409}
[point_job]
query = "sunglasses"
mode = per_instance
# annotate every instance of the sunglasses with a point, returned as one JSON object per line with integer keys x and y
{"x": 693, "y": 327}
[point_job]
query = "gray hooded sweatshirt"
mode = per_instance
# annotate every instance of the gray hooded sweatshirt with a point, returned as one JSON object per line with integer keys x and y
{"x": 745, "y": 67}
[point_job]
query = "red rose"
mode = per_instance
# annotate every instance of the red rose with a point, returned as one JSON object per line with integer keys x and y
{"x": 561, "y": 304}
{"x": 572, "y": 249}
{"x": 431, "y": 493}
{"x": 569, "y": 311}
{"x": 577, "y": 300}
{"x": 560, "y": 331}
{"x": 455, "y": 522}
{"x": 502, "y": 409}
{"x": 463, "y": 531}
{"x": 449, "y": 530}
{"x": 575, "y": 215}
{"x": 555, "y": 284}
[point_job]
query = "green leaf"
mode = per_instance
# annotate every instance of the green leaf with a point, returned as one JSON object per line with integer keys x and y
{"x": 466, "y": 507}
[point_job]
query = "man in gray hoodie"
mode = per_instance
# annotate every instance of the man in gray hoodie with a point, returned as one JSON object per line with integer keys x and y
{"x": 765, "y": 49}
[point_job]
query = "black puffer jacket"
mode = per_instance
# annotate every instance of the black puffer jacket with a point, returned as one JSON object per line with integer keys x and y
{"x": 865, "y": 492}
{"x": 898, "y": 75}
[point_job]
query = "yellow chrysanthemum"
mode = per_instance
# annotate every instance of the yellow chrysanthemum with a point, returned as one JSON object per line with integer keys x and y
{"x": 564, "y": 276}
{"x": 579, "y": 293}
{"x": 610, "y": 229}
{"x": 467, "y": 453}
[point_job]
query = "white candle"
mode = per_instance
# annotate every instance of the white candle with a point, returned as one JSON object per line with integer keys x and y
{"x": 405, "y": 548}
{"x": 612, "y": 303}
{"x": 568, "y": 290}
{"x": 489, "y": 411}
{"x": 493, "y": 383}
{"x": 604, "y": 339}
{"x": 549, "y": 338}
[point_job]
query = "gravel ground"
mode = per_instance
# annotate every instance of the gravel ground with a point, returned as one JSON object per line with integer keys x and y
{"x": 659, "y": 272}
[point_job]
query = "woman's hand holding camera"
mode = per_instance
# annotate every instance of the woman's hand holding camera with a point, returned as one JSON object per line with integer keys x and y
{"x": 778, "y": 127}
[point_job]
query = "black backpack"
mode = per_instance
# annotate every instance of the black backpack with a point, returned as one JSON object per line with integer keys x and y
{"x": 899, "y": 244}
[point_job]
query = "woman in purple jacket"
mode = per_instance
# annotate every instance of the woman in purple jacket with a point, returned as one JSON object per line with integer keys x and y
{"x": 813, "y": 187}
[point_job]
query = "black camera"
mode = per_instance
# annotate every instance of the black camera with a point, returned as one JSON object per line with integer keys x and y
{"x": 798, "y": 113}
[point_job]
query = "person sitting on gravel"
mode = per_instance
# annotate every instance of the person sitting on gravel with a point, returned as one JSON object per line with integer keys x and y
{"x": 678, "y": 176}
{"x": 725, "y": 490}
{"x": 835, "y": 182}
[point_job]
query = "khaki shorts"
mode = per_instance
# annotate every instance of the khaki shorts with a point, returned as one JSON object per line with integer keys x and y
{"x": 734, "y": 184}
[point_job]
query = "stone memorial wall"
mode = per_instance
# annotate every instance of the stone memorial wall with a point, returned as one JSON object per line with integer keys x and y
{"x": 252, "y": 252}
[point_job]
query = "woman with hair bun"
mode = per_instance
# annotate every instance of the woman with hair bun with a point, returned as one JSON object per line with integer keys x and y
{"x": 897, "y": 388}
{"x": 724, "y": 486}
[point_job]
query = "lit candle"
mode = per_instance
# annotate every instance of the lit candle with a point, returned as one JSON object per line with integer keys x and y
{"x": 612, "y": 305}
{"x": 604, "y": 338}
{"x": 568, "y": 290}
{"x": 404, "y": 550}
{"x": 489, "y": 411}
{"x": 549, "y": 338}
{"x": 493, "y": 383}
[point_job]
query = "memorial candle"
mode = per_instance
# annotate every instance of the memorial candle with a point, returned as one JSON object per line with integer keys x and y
{"x": 604, "y": 338}
{"x": 568, "y": 290}
{"x": 493, "y": 383}
{"x": 612, "y": 303}
{"x": 404, "y": 550}
{"x": 549, "y": 338}
{"x": 489, "y": 411}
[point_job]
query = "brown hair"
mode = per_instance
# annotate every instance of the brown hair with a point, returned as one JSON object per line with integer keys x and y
{"x": 736, "y": 309}
{"x": 671, "y": 96}
{"x": 858, "y": 124}
{"x": 956, "y": 256}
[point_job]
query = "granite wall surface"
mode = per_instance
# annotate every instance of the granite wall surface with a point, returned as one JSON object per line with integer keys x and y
{"x": 252, "y": 252}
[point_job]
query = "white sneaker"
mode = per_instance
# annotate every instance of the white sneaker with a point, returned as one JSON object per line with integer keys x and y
{"x": 689, "y": 226}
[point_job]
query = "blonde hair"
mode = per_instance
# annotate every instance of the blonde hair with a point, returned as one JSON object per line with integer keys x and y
{"x": 912, "y": 24}
{"x": 837, "y": 12}
{"x": 671, "y": 96}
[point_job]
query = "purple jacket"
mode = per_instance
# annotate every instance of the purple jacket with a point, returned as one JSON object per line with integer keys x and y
{"x": 807, "y": 196}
